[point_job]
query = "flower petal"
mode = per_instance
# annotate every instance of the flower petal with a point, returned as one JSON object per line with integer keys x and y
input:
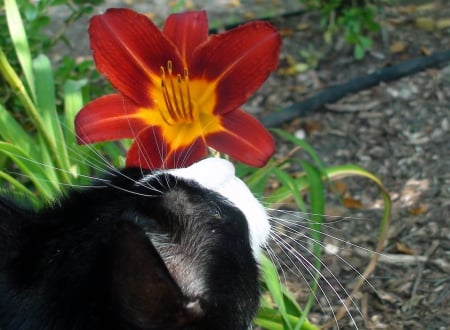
{"x": 243, "y": 138}
{"x": 150, "y": 150}
{"x": 110, "y": 117}
{"x": 239, "y": 60}
{"x": 187, "y": 31}
{"x": 130, "y": 50}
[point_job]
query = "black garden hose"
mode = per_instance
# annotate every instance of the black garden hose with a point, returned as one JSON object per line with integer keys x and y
{"x": 334, "y": 93}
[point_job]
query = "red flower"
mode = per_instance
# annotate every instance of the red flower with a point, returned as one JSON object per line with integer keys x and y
{"x": 179, "y": 89}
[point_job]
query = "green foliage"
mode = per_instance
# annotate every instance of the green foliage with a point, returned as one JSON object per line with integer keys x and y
{"x": 354, "y": 19}
{"x": 37, "y": 137}
{"x": 279, "y": 311}
{"x": 37, "y": 111}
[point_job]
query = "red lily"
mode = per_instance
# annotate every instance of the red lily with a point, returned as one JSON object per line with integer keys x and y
{"x": 179, "y": 89}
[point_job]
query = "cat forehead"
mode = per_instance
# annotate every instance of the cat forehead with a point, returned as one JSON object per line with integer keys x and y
{"x": 218, "y": 175}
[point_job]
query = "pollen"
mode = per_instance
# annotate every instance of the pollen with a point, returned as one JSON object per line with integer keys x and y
{"x": 177, "y": 107}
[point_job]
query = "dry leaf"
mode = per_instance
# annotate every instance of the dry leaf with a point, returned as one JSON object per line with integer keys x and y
{"x": 249, "y": 15}
{"x": 150, "y": 15}
{"x": 409, "y": 9}
{"x": 286, "y": 32}
{"x": 189, "y": 4}
{"x": 399, "y": 20}
{"x": 297, "y": 88}
{"x": 313, "y": 126}
{"x": 426, "y": 7}
{"x": 425, "y": 51}
{"x": 403, "y": 248}
{"x": 303, "y": 26}
{"x": 443, "y": 23}
{"x": 398, "y": 47}
{"x": 418, "y": 209}
{"x": 425, "y": 23}
{"x": 235, "y": 3}
{"x": 339, "y": 187}
{"x": 352, "y": 203}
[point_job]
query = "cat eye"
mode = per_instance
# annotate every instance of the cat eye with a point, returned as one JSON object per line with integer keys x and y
{"x": 216, "y": 211}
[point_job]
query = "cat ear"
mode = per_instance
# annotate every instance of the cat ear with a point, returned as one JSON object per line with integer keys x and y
{"x": 146, "y": 294}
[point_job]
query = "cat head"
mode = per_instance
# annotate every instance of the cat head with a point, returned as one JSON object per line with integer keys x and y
{"x": 186, "y": 256}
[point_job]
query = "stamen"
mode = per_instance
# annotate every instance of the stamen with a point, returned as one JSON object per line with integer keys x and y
{"x": 177, "y": 98}
{"x": 186, "y": 78}
{"x": 180, "y": 92}
{"x": 168, "y": 106}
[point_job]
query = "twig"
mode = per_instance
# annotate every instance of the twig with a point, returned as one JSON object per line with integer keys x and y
{"x": 428, "y": 255}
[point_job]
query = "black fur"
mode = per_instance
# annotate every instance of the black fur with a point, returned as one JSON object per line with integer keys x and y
{"x": 167, "y": 254}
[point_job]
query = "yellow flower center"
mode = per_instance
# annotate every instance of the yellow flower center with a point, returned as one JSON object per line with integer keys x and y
{"x": 185, "y": 107}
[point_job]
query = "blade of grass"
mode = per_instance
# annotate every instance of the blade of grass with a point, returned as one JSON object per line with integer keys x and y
{"x": 292, "y": 185}
{"x": 20, "y": 188}
{"x": 20, "y": 41}
{"x": 283, "y": 193}
{"x": 353, "y": 170}
{"x": 317, "y": 205}
{"x": 46, "y": 103}
{"x": 31, "y": 169}
{"x": 302, "y": 144}
{"x": 73, "y": 102}
{"x": 11, "y": 131}
{"x": 16, "y": 85}
{"x": 272, "y": 281}
{"x": 257, "y": 180}
{"x": 270, "y": 319}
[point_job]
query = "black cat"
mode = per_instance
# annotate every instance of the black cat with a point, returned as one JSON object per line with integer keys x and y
{"x": 170, "y": 249}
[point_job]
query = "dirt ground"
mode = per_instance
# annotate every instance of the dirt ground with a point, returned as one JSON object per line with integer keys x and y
{"x": 398, "y": 131}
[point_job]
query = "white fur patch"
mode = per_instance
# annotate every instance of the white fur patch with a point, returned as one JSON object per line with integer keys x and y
{"x": 219, "y": 175}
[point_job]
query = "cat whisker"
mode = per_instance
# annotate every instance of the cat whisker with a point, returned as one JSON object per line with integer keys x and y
{"x": 295, "y": 230}
{"x": 321, "y": 275}
{"x": 322, "y": 245}
{"x": 288, "y": 224}
{"x": 278, "y": 263}
{"x": 71, "y": 185}
{"x": 312, "y": 270}
{"x": 307, "y": 215}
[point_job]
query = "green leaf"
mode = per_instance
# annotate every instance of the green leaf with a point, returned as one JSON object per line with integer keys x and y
{"x": 270, "y": 319}
{"x": 32, "y": 169}
{"x": 73, "y": 102}
{"x": 358, "y": 52}
{"x": 20, "y": 41}
{"x": 45, "y": 96}
{"x": 257, "y": 180}
{"x": 365, "y": 42}
{"x": 11, "y": 131}
{"x": 302, "y": 144}
{"x": 20, "y": 188}
{"x": 292, "y": 185}
{"x": 272, "y": 281}
{"x": 317, "y": 205}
